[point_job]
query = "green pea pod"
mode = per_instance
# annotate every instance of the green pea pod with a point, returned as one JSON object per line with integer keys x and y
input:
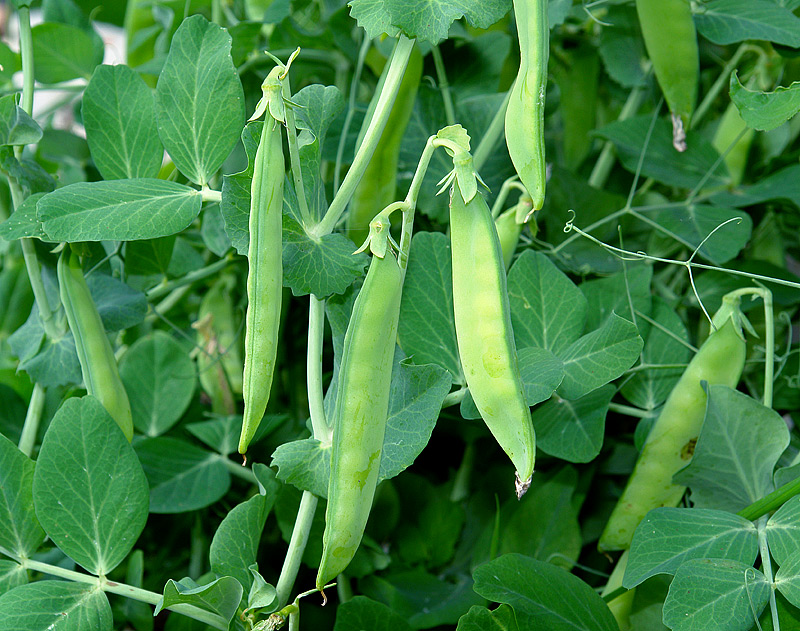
{"x": 671, "y": 41}
{"x": 378, "y": 188}
{"x": 98, "y": 364}
{"x": 359, "y": 422}
{"x": 728, "y": 130}
{"x": 265, "y": 275}
{"x": 484, "y": 334}
{"x": 525, "y": 113}
{"x": 508, "y": 231}
{"x": 670, "y": 443}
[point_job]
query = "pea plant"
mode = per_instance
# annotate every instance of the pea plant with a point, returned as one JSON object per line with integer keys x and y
{"x": 391, "y": 315}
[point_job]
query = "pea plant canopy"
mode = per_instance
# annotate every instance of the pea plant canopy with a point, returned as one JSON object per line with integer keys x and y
{"x": 390, "y": 315}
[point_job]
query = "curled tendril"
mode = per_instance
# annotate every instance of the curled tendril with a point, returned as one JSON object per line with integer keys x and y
{"x": 570, "y": 225}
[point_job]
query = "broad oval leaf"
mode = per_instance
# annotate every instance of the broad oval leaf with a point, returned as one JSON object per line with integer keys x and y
{"x": 783, "y": 530}
{"x": 16, "y": 127}
{"x": 55, "y": 606}
{"x": 20, "y": 532}
{"x": 731, "y": 21}
{"x": 765, "y": 110}
{"x": 63, "y": 52}
{"x": 221, "y": 598}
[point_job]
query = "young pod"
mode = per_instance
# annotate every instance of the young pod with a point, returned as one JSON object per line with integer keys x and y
{"x": 670, "y": 444}
{"x": 484, "y": 334}
{"x": 359, "y": 421}
{"x": 525, "y": 113}
{"x": 98, "y": 364}
{"x": 265, "y": 274}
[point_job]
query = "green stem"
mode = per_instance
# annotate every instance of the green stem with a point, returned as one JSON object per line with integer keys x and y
{"x": 454, "y": 398}
{"x": 410, "y": 204}
{"x": 766, "y": 568}
{"x": 493, "y": 133}
{"x": 26, "y": 56}
{"x": 630, "y": 411}
{"x": 444, "y": 86}
{"x": 772, "y": 501}
{"x": 210, "y": 195}
{"x": 297, "y": 545}
{"x": 192, "y": 277}
{"x": 316, "y": 329}
{"x": 397, "y": 67}
{"x": 240, "y": 471}
{"x": 505, "y": 190}
{"x": 720, "y": 84}
{"x": 32, "y": 419}
{"x": 294, "y": 155}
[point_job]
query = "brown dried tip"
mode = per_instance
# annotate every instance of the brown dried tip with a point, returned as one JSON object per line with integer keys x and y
{"x": 520, "y": 486}
{"x": 244, "y": 460}
{"x": 678, "y": 133}
{"x": 324, "y": 597}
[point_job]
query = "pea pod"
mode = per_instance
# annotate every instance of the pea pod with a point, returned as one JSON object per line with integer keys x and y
{"x": 671, "y": 41}
{"x": 728, "y": 131}
{"x": 362, "y": 405}
{"x": 525, "y": 113}
{"x": 378, "y": 187}
{"x": 265, "y": 274}
{"x": 484, "y": 334}
{"x": 670, "y": 443}
{"x": 98, "y": 364}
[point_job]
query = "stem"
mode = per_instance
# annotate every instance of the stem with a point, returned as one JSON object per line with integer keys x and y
{"x": 316, "y": 329}
{"x": 719, "y": 85}
{"x": 397, "y": 67}
{"x": 199, "y": 274}
{"x": 410, "y": 205}
{"x": 766, "y": 568}
{"x": 444, "y": 86}
{"x": 31, "y": 427}
{"x": 772, "y": 501}
{"x": 240, "y": 471}
{"x": 294, "y": 155}
{"x": 630, "y": 411}
{"x": 210, "y": 195}
{"x": 493, "y": 132}
{"x": 26, "y": 54}
{"x": 297, "y": 545}
{"x": 605, "y": 161}
{"x": 505, "y": 190}
{"x": 454, "y": 398}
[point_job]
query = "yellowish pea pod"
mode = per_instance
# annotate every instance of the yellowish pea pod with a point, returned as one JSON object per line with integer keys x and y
{"x": 96, "y": 357}
{"x": 484, "y": 334}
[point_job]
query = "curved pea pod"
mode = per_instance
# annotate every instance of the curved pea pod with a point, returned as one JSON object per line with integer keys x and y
{"x": 265, "y": 274}
{"x": 671, "y": 41}
{"x": 525, "y": 113}
{"x": 98, "y": 364}
{"x": 670, "y": 444}
{"x": 362, "y": 406}
{"x": 484, "y": 334}
{"x": 508, "y": 231}
{"x": 378, "y": 188}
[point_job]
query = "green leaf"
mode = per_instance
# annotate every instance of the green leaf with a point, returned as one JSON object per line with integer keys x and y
{"x": 787, "y": 579}
{"x": 730, "y": 470}
{"x": 222, "y": 434}
{"x": 12, "y": 575}
{"x": 262, "y": 594}
{"x": 616, "y": 294}
{"x": 16, "y": 127}
{"x": 305, "y": 464}
{"x": 55, "y": 606}
{"x": 360, "y": 613}
{"x": 765, "y": 110}
{"x": 160, "y": 379}
{"x": 668, "y": 537}
{"x": 23, "y": 221}
{"x": 220, "y": 597}
{"x": 715, "y": 594}
{"x": 783, "y": 530}
{"x": 544, "y": 596}
{"x": 199, "y": 99}
{"x": 88, "y": 488}
{"x": 182, "y": 477}
{"x": 235, "y": 543}
{"x": 20, "y": 532}
{"x": 481, "y": 619}
{"x": 118, "y": 210}
{"x": 63, "y": 52}
{"x": 547, "y": 309}
{"x": 119, "y": 116}
{"x": 599, "y": 357}
{"x": 573, "y": 430}
{"x": 235, "y": 204}
{"x": 426, "y": 332}
{"x": 779, "y": 185}
{"x": 29, "y": 173}
{"x": 119, "y": 305}
{"x": 661, "y": 161}
{"x": 622, "y": 48}
{"x": 731, "y": 21}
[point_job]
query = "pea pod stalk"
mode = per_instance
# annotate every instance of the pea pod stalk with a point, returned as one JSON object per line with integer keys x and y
{"x": 670, "y": 443}
{"x": 362, "y": 405}
{"x": 265, "y": 274}
{"x": 96, "y": 357}
{"x": 483, "y": 330}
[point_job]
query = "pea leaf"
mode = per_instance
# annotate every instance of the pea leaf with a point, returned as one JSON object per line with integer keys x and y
{"x": 729, "y": 470}
{"x": 23, "y": 221}
{"x": 731, "y": 21}
{"x": 16, "y": 127}
{"x": 119, "y": 116}
{"x": 63, "y": 52}
{"x": 12, "y": 575}
{"x": 616, "y": 294}
{"x": 783, "y": 530}
{"x": 668, "y": 537}
{"x": 220, "y": 597}
{"x": 20, "y": 532}
{"x": 88, "y": 488}
{"x": 783, "y": 184}
{"x": 622, "y": 48}
{"x": 199, "y": 99}
{"x": 765, "y": 110}
{"x": 57, "y": 605}
{"x": 361, "y": 612}
{"x": 481, "y": 619}
{"x": 787, "y": 578}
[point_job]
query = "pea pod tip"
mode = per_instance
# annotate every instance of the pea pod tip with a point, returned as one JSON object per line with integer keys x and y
{"x": 521, "y": 486}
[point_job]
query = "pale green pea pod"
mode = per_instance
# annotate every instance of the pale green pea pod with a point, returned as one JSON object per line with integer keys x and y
{"x": 729, "y": 128}
{"x": 484, "y": 334}
{"x": 98, "y": 364}
{"x": 362, "y": 406}
{"x": 265, "y": 275}
{"x": 670, "y": 444}
{"x": 525, "y": 113}
{"x": 508, "y": 231}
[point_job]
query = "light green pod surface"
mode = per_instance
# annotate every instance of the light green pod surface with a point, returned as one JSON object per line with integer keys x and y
{"x": 378, "y": 188}
{"x": 671, "y": 41}
{"x": 670, "y": 444}
{"x": 728, "y": 130}
{"x": 362, "y": 406}
{"x": 525, "y": 114}
{"x": 98, "y": 364}
{"x": 508, "y": 231}
{"x": 264, "y": 279}
{"x": 218, "y": 302}
{"x": 483, "y": 330}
